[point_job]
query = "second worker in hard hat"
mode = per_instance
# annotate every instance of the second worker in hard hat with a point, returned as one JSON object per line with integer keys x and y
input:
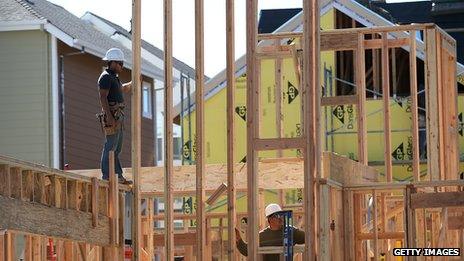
{"x": 112, "y": 117}
{"x": 271, "y": 235}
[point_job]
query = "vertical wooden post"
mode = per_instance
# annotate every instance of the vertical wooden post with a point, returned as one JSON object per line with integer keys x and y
{"x": 278, "y": 98}
{"x": 94, "y": 202}
{"x": 414, "y": 105}
{"x": 375, "y": 218}
{"x": 168, "y": 133}
{"x": 348, "y": 214}
{"x": 324, "y": 230}
{"x": 136, "y": 125}
{"x": 386, "y": 107}
{"x": 10, "y": 252}
{"x": 122, "y": 243}
{"x": 433, "y": 143}
{"x": 252, "y": 129}
{"x": 200, "y": 130}
{"x": 312, "y": 92}
{"x": 28, "y": 248}
{"x": 361, "y": 93}
{"x": 113, "y": 204}
{"x": 230, "y": 67}
{"x": 150, "y": 247}
{"x": 410, "y": 219}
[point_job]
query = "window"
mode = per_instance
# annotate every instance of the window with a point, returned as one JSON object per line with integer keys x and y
{"x": 177, "y": 148}
{"x": 147, "y": 100}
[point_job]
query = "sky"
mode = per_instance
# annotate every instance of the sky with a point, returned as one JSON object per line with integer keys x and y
{"x": 120, "y": 12}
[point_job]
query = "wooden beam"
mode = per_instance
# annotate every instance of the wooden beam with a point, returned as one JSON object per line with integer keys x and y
{"x": 414, "y": 106}
{"x": 230, "y": 67}
{"x": 276, "y": 143}
{"x": 386, "y": 108}
{"x": 376, "y": 231}
{"x": 437, "y": 200}
{"x": 53, "y": 222}
{"x": 181, "y": 239}
{"x": 200, "y": 155}
{"x": 168, "y": 133}
{"x": 339, "y": 100}
{"x": 381, "y": 235}
{"x": 252, "y": 129}
{"x": 431, "y": 74}
{"x": 136, "y": 126}
{"x": 278, "y": 98}
{"x": 324, "y": 214}
{"x": 216, "y": 194}
{"x": 361, "y": 93}
{"x": 311, "y": 103}
{"x": 5, "y": 189}
{"x": 391, "y": 43}
{"x": 95, "y": 202}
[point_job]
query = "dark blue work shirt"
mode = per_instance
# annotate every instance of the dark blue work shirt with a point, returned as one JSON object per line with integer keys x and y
{"x": 109, "y": 80}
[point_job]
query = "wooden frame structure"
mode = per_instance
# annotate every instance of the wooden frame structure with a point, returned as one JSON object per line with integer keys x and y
{"x": 345, "y": 216}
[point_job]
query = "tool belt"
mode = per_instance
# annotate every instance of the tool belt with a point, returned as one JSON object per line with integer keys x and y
{"x": 117, "y": 110}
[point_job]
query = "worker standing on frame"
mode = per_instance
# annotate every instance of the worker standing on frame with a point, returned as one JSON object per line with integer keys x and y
{"x": 271, "y": 235}
{"x": 112, "y": 116}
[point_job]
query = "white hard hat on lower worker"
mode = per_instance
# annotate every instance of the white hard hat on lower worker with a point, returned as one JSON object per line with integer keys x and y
{"x": 114, "y": 54}
{"x": 272, "y": 209}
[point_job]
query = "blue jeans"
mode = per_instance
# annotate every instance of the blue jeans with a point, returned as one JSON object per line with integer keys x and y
{"x": 113, "y": 142}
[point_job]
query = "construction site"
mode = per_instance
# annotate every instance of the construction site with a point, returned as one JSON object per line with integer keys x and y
{"x": 350, "y": 123}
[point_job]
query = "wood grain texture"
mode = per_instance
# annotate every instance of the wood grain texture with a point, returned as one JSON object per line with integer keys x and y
{"x": 52, "y": 222}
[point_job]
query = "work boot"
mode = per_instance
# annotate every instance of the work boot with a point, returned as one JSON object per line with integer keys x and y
{"x": 124, "y": 181}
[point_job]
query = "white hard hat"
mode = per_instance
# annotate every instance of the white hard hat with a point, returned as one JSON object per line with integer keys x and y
{"x": 114, "y": 54}
{"x": 272, "y": 209}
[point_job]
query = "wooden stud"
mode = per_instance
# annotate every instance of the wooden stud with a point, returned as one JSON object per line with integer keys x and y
{"x": 414, "y": 105}
{"x": 113, "y": 204}
{"x": 39, "y": 188}
{"x": 376, "y": 231}
{"x": 72, "y": 197}
{"x": 324, "y": 229}
{"x": 10, "y": 251}
{"x": 168, "y": 133}
{"x": 95, "y": 192}
{"x": 200, "y": 155}
{"x": 361, "y": 93}
{"x": 386, "y": 108}
{"x": 311, "y": 103}
{"x": 230, "y": 67}
{"x": 136, "y": 121}
{"x": 5, "y": 189}
{"x": 431, "y": 88}
{"x": 252, "y": 129}
{"x": 28, "y": 185}
{"x": 122, "y": 204}
{"x": 16, "y": 182}
{"x": 278, "y": 98}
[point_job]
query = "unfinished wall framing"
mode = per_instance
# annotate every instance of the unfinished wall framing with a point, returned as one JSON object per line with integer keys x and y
{"x": 349, "y": 211}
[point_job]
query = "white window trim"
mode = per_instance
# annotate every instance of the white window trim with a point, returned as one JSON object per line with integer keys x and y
{"x": 147, "y": 114}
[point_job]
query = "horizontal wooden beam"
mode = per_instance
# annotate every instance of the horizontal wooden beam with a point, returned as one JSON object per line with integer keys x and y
{"x": 384, "y": 235}
{"x": 180, "y": 239}
{"x": 437, "y": 200}
{"x": 38, "y": 219}
{"x": 339, "y": 100}
{"x": 279, "y": 143}
{"x": 339, "y": 42}
{"x": 391, "y": 43}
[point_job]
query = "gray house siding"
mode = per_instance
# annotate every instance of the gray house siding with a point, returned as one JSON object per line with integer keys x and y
{"x": 25, "y": 96}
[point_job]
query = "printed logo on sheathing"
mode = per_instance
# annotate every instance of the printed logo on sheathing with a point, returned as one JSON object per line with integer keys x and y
{"x": 241, "y": 111}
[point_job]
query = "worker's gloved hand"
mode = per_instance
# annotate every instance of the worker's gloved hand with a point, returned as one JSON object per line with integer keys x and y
{"x": 238, "y": 237}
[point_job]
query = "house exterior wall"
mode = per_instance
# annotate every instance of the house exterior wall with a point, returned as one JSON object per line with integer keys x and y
{"x": 83, "y": 136}
{"x": 25, "y": 103}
